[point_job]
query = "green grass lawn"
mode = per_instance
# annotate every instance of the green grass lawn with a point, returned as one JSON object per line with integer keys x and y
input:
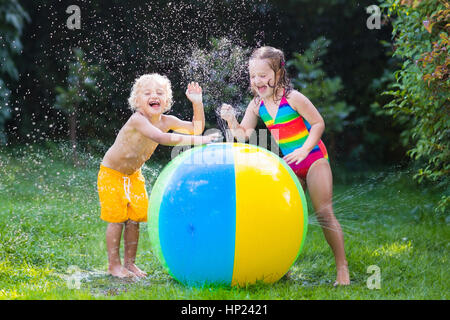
{"x": 52, "y": 241}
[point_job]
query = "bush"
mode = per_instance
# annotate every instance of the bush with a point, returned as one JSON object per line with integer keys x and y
{"x": 421, "y": 90}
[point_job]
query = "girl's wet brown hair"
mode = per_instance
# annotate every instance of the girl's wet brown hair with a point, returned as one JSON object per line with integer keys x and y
{"x": 277, "y": 63}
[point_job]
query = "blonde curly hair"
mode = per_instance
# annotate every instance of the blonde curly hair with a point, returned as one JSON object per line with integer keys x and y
{"x": 154, "y": 77}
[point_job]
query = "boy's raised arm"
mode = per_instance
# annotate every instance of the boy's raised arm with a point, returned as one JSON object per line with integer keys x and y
{"x": 197, "y": 125}
{"x": 187, "y": 127}
{"x": 146, "y": 128}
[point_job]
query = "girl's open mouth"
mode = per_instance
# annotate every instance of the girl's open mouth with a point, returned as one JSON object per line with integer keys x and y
{"x": 262, "y": 89}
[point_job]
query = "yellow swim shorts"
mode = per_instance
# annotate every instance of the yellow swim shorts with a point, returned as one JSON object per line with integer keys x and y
{"x": 122, "y": 196}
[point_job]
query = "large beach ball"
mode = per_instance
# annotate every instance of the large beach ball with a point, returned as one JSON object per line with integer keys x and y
{"x": 227, "y": 214}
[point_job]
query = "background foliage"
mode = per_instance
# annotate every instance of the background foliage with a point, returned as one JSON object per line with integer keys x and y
{"x": 421, "y": 90}
{"x": 12, "y": 22}
{"x": 311, "y": 80}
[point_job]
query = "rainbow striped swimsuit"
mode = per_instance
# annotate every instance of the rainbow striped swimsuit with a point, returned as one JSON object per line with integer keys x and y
{"x": 290, "y": 131}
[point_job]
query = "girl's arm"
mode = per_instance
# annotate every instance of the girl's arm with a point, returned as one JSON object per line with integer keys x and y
{"x": 244, "y": 130}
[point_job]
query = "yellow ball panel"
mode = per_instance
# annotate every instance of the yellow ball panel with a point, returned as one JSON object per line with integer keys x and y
{"x": 269, "y": 217}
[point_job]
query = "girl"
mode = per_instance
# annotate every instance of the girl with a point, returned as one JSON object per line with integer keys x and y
{"x": 297, "y": 126}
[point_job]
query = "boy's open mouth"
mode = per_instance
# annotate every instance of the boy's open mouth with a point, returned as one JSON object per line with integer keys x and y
{"x": 154, "y": 104}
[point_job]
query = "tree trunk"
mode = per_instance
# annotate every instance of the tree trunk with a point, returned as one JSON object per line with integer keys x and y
{"x": 73, "y": 136}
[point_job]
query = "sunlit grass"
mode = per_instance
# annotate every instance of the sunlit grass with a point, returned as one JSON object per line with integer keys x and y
{"x": 52, "y": 240}
{"x": 17, "y": 281}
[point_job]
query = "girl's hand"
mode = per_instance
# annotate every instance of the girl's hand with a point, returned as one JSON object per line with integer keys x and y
{"x": 227, "y": 112}
{"x": 194, "y": 92}
{"x": 297, "y": 156}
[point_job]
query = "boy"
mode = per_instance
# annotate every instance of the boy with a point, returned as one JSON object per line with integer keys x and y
{"x": 121, "y": 185}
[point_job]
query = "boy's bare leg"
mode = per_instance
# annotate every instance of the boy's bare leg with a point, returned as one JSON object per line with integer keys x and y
{"x": 131, "y": 237}
{"x": 320, "y": 188}
{"x": 113, "y": 235}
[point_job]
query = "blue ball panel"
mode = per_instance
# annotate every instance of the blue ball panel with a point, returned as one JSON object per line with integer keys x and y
{"x": 197, "y": 217}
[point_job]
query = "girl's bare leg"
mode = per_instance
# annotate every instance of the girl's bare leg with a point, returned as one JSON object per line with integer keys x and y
{"x": 320, "y": 188}
{"x": 113, "y": 235}
{"x": 131, "y": 237}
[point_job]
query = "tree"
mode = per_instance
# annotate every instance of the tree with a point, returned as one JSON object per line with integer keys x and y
{"x": 12, "y": 20}
{"x": 81, "y": 80}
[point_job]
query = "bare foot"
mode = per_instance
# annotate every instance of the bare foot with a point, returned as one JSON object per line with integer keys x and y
{"x": 135, "y": 270}
{"x": 120, "y": 272}
{"x": 343, "y": 277}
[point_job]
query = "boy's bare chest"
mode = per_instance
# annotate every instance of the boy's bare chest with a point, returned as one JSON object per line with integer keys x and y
{"x": 146, "y": 145}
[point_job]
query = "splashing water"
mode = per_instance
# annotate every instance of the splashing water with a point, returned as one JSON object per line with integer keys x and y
{"x": 222, "y": 72}
{"x": 372, "y": 203}
{"x": 125, "y": 40}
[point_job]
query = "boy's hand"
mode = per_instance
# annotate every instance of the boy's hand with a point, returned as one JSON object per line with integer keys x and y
{"x": 214, "y": 137}
{"x": 194, "y": 92}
